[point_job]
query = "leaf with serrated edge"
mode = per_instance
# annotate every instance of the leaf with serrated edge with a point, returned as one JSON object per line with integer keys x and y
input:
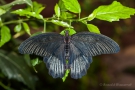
{"x": 93, "y": 28}
{"x": 113, "y": 12}
{"x": 72, "y": 6}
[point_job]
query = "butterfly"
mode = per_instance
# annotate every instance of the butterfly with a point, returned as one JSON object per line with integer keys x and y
{"x": 78, "y": 49}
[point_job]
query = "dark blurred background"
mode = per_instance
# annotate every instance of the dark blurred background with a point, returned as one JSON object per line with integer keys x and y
{"x": 107, "y": 72}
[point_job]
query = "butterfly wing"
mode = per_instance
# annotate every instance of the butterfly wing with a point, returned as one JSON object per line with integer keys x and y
{"x": 50, "y": 46}
{"x": 78, "y": 62}
{"x": 56, "y": 63}
{"x": 85, "y": 45}
{"x": 91, "y": 44}
{"x": 42, "y": 44}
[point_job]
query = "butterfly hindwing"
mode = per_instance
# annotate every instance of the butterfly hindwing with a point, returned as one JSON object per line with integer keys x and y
{"x": 78, "y": 62}
{"x": 79, "y": 67}
{"x": 56, "y": 63}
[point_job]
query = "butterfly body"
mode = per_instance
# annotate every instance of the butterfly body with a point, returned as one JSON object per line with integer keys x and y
{"x": 78, "y": 49}
{"x": 67, "y": 45}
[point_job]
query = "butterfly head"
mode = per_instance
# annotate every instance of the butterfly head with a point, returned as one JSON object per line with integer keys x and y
{"x": 66, "y": 33}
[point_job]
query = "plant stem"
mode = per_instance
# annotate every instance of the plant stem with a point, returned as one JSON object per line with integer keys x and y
{"x": 44, "y": 26}
{"x": 15, "y": 21}
{"x": 79, "y": 16}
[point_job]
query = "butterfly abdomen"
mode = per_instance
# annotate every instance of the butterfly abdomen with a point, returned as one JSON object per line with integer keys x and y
{"x": 66, "y": 49}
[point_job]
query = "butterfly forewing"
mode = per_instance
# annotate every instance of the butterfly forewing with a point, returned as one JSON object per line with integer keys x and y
{"x": 42, "y": 44}
{"x": 91, "y": 44}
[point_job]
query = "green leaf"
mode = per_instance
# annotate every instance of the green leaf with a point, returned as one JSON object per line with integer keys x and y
{"x": 6, "y": 7}
{"x": 66, "y": 75}
{"x": 27, "y": 59}
{"x": 15, "y": 67}
{"x": 35, "y": 61}
{"x": 2, "y": 11}
{"x": 93, "y": 28}
{"x": 62, "y": 6}
{"x": 1, "y": 24}
{"x": 26, "y": 28}
{"x": 18, "y": 28}
{"x": 67, "y": 15}
{"x": 72, "y": 6}
{"x": 113, "y": 12}
{"x": 40, "y": 9}
{"x": 5, "y": 35}
{"x": 91, "y": 16}
{"x": 29, "y": 2}
{"x": 57, "y": 10}
{"x": 61, "y": 23}
{"x": 27, "y": 13}
{"x": 36, "y": 34}
{"x": 37, "y": 7}
{"x": 71, "y": 32}
{"x": 18, "y": 34}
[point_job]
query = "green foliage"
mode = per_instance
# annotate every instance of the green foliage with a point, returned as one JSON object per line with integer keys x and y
{"x": 72, "y": 6}
{"x": 28, "y": 14}
{"x": 26, "y": 28}
{"x": 15, "y": 2}
{"x": 14, "y": 66}
{"x": 2, "y": 11}
{"x": 67, "y": 15}
{"x": 66, "y": 75}
{"x": 38, "y": 8}
{"x": 36, "y": 33}
{"x": 5, "y": 35}
{"x": 71, "y": 32}
{"x": 61, "y": 23}
{"x": 35, "y": 61}
{"x": 112, "y": 12}
{"x": 67, "y": 12}
{"x": 57, "y": 10}
{"x": 31, "y": 11}
{"x": 18, "y": 28}
{"x": 93, "y": 28}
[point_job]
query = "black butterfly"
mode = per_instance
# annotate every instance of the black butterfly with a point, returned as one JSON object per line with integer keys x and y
{"x": 78, "y": 49}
